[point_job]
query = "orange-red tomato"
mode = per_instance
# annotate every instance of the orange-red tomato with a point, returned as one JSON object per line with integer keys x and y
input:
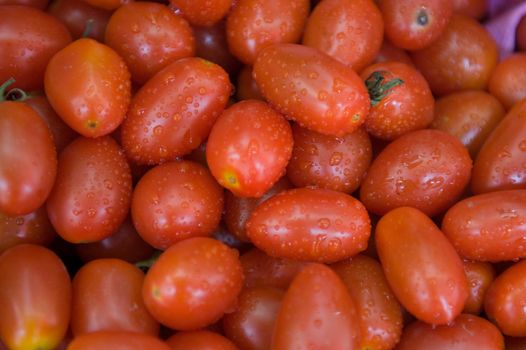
{"x": 199, "y": 340}
{"x": 107, "y": 340}
{"x": 202, "y": 12}
{"x": 421, "y": 266}
{"x": 35, "y": 297}
{"x": 479, "y": 275}
{"x": 312, "y": 88}
{"x": 472, "y": 8}
{"x": 508, "y": 80}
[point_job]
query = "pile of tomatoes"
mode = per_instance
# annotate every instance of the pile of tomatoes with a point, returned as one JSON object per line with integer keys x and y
{"x": 260, "y": 174}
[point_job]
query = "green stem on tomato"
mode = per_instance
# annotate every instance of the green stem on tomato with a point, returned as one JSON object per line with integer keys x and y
{"x": 146, "y": 264}
{"x": 378, "y": 88}
{"x": 3, "y": 88}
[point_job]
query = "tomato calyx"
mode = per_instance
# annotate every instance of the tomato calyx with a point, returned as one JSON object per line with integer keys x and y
{"x": 146, "y": 264}
{"x": 422, "y": 18}
{"x": 14, "y": 94}
{"x": 3, "y": 89}
{"x": 378, "y": 87}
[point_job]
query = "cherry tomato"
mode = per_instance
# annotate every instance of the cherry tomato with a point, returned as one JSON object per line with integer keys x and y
{"x": 174, "y": 111}
{"x": 310, "y": 224}
{"x": 249, "y": 147}
{"x": 389, "y": 52}
{"x": 199, "y": 340}
{"x": 401, "y": 100}
{"x": 479, "y": 275}
{"x": 508, "y": 79}
{"x": 35, "y": 297}
{"x": 377, "y": 308}
{"x": 473, "y": 8}
{"x": 255, "y": 24}
{"x": 421, "y": 266}
{"x": 28, "y": 160}
{"x": 92, "y": 192}
{"x": 202, "y": 12}
{"x": 312, "y": 88}
{"x": 193, "y": 283}
{"x": 350, "y": 31}
{"x": 148, "y": 36}
{"x": 175, "y": 201}
{"x": 30, "y": 38}
{"x": 335, "y": 163}
{"x": 246, "y": 88}
{"x": 317, "y": 312}
{"x": 117, "y": 341}
{"x": 466, "y": 332}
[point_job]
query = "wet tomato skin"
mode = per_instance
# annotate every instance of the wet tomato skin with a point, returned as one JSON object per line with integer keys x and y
{"x": 202, "y": 12}
{"x": 199, "y": 340}
{"x": 480, "y": 275}
{"x": 108, "y": 340}
{"x": 507, "y": 80}
{"x": 310, "y": 224}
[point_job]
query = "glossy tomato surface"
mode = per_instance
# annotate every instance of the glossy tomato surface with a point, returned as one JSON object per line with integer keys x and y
{"x": 480, "y": 275}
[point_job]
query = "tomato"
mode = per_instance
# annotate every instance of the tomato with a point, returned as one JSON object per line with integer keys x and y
{"x": 107, "y": 4}
{"x": 175, "y": 201}
{"x": 335, "y": 163}
{"x": 92, "y": 192}
{"x": 255, "y": 24}
{"x": 39, "y": 4}
{"x": 29, "y": 39}
{"x": 473, "y": 8}
{"x": 310, "y": 224}
{"x": 35, "y": 296}
{"x": 317, "y": 312}
{"x": 470, "y": 116}
{"x": 507, "y": 80}
{"x": 246, "y": 88}
{"x": 199, "y": 340}
{"x": 401, "y": 100}
{"x": 421, "y": 266}
{"x": 312, "y": 88}
{"x": 193, "y": 283}
{"x": 148, "y": 36}
{"x": 174, "y": 111}
{"x": 202, "y": 12}
{"x": 350, "y": 31}
{"x": 389, "y": 52}
{"x": 466, "y": 332}
{"x": 117, "y": 341}
{"x": 506, "y": 298}
{"x": 479, "y": 276}
{"x": 415, "y": 24}
{"x": 520, "y": 35}
{"x": 475, "y": 56}
{"x": 249, "y": 147}
{"x": 515, "y": 343}
{"x": 425, "y": 169}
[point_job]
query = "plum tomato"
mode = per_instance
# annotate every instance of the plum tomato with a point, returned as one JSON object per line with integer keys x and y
{"x": 88, "y": 85}
{"x": 480, "y": 275}
{"x": 193, "y": 283}
{"x": 350, "y": 31}
{"x": 310, "y": 224}
{"x": 92, "y": 192}
{"x": 424, "y": 169}
{"x": 199, "y": 340}
{"x": 312, "y": 88}
{"x": 117, "y": 340}
{"x": 422, "y": 267}
{"x": 249, "y": 147}
{"x": 202, "y": 12}
{"x": 246, "y": 88}
{"x": 508, "y": 80}
{"x": 173, "y": 113}
{"x": 175, "y": 201}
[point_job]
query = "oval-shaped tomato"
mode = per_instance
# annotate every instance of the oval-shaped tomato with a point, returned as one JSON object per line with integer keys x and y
{"x": 193, "y": 283}
{"x": 378, "y": 310}
{"x": 488, "y": 227}
{"x": 421, "y": 266}
{"x": 312, "y": 88}
{"x": 28, "y": 160}
{"x": 508, "y": 80}
{"x": 107, "y": 296}
{"x": 92, "y": 193}
{"x": 246, "y": 88}
{"x": 317, "y": 312}
{"x": 310, "y": 224}
{"x": 35, "y": 297}
{"x": 174, "y": 111}
{"x": 249, "y": 147}
{"x": 350, "y": 31}
{"x": 202, "y": 12}
{"x": 334, "y": 163}
{"x": 148, "y": 36}
{"x": 30, "y": 38}
{"x": 199, "y": 340}
{"x": 175, "y": 201}
{"x": 424, "y": 169}
{"x": 466, "y": 332}
{"x": 480, "y": 275}
{"x": 117, "y": 341}
{"x": 255, "y": 24}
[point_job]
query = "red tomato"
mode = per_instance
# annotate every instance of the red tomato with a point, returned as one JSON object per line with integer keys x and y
{"x": 310, "y": 224}
{"x": 520, "y": 35}
{"x": 378, "y": 310}
{"x": 255, "y": 24}
{"x": 479, "y": 275}
{"x": 174, "y": 111}
{"x": 515, "y": 343}
{"x": 199, "y": 340}
{"x": 251, "y": 325}
{"x": 148, "y": 36}
{"x": 35, "y": 297}
{"x": 39, "y": 4}
{"x": 389, "y": 52}
{"x": 508, "y": 80}
{"x": 92, "y": 193}
{"x": 89, "y": 86}
{"x": 317, "y": 312}
{"x": 202, "y": 12}
{"x": 466, "y": 332}
{"x": 117, "y": 341}
{"x": 312, "y": 88}
{"x": 246, "y": 88}
{"x": 107, "y": 4}
{"x": 350, "y": 31}
{"x": 421, "y": 266}
{"x": 175, "y": 201}
{"x": 334, "y": 163}
{"x": 473, "y": 8}
{"x": 193, "y": 283}
{"x": 249, "y": 147}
